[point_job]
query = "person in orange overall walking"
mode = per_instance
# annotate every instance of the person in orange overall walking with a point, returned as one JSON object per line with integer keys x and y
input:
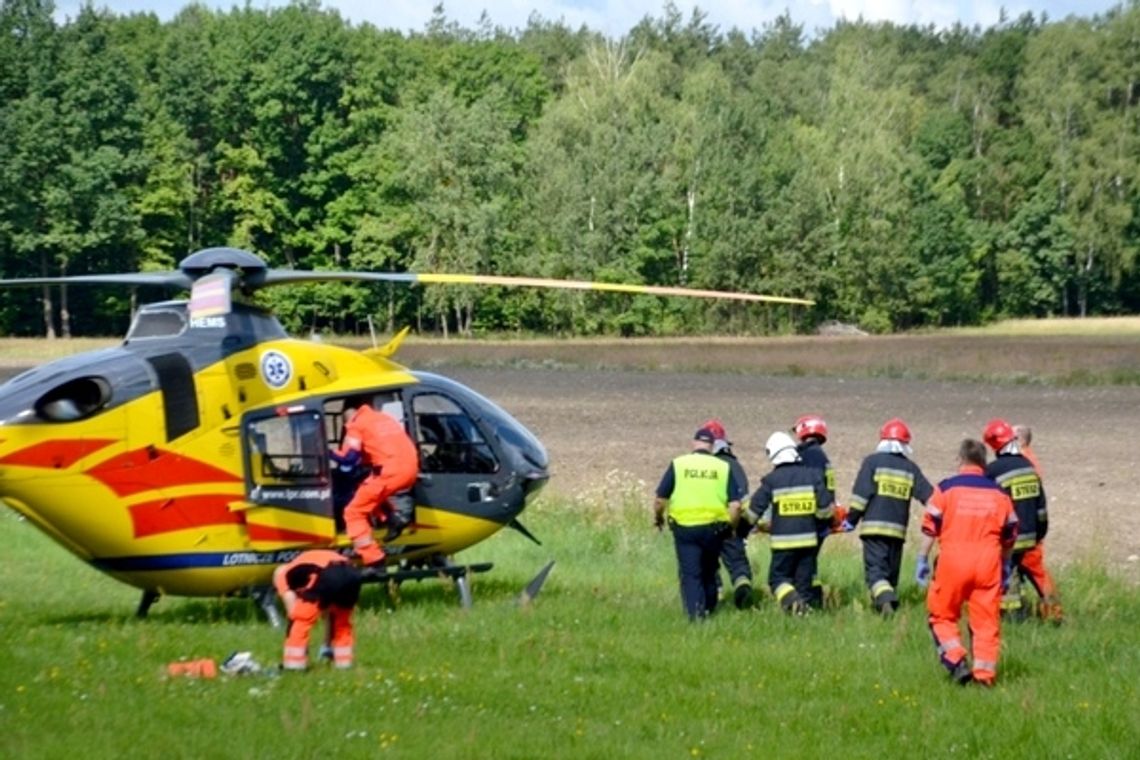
{"x": 1024, "y": 435}
{"x": 377, "y": 441}
{"x": 1020, "y": 476}
{"x": 974, "y": 520}
{"x": 316, "y": 582}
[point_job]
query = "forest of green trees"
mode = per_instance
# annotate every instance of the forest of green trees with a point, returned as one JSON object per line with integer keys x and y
{"x": 900, "y": 176}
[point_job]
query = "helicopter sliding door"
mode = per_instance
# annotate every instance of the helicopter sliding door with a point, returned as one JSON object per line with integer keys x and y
{"x": 288, "y": 486}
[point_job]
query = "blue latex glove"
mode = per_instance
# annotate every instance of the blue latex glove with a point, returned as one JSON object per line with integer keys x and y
{"x": 346, "y": 462}
{"x": 922, "y": 572}
{"x": 847, "y": 526}
{"x": 1006, "y": 575}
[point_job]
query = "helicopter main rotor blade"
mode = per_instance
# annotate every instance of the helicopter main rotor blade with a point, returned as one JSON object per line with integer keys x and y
{"x": 162, "y": 279}
{"x": 287, "y": 276}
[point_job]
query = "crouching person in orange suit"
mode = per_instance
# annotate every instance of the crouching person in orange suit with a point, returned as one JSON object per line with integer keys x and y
{"x": 378, "y": 442}
{"x": 318, "y": 582}
{"x": 974, "y": 521}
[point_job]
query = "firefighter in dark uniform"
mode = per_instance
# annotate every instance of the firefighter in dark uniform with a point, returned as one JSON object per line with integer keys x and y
{"x": 701, "y": 499}
{"x": 792, "y": 504}
{"x": 733, "y": 555}
{"x": 1020, "y": 478}
{"x": 811, "y": 432}
{"x": 881, "y": 496}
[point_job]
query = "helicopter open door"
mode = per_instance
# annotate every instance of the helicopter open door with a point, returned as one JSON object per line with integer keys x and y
{"x": 288, "y": 485}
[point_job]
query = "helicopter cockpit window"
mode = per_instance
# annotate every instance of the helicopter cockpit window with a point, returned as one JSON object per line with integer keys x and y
{"x": 448, "y": 439}
{"x": 288, "y": 449}
{"x": 158, "y": 323}
{"x": 74, "y": 400}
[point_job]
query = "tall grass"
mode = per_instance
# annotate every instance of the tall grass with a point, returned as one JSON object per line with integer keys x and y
{"x": 601, "y": 665}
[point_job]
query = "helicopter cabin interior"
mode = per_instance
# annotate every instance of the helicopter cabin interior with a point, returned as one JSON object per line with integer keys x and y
{"x": 288, "y": 448}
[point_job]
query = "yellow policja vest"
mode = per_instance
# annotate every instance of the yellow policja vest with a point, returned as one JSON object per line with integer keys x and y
{"x": 700, "y": 490}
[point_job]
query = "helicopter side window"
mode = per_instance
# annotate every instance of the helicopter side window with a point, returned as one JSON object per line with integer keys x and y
{"x": 288, "y": 449}
{"x": 448, "y": 439}
{"x": 74, "y": 400}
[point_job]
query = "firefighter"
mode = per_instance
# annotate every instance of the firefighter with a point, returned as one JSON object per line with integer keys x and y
{"x": 1020, "y": 478}
{"x": 887, "y": 482}
{"x": 316, "y": 582}
{"x": 701, "y": 498}
{"x": 811, "y": 432}
{"x": 378, "y": 442}
{"x": 792, "y": 504}
{"x": 974, "y": 521}
{"x": 733, "y": 554}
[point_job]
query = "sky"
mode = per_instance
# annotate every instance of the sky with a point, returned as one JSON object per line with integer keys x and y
{"x": 616, "y": 17}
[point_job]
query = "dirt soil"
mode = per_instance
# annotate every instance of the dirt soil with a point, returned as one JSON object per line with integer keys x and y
{"x": 621, "y": 428}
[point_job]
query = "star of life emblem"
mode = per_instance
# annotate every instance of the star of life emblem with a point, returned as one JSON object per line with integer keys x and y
{"x": 276, "y": 369}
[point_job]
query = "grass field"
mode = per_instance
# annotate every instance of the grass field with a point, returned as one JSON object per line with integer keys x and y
{"x": 601, "y": 665}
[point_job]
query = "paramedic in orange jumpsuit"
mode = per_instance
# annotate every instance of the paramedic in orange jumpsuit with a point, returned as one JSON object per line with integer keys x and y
{"x": 316, "y": 582}
{"x": 377, "y": 441}
{"x": 974, "y": 520}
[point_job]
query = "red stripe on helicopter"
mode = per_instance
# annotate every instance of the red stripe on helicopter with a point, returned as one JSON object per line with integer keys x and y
{"x": 268, "y": 533}
{"x": 57, "y": 455}
{"x": 150, "y": 468}
{"x": 181, "y": 512}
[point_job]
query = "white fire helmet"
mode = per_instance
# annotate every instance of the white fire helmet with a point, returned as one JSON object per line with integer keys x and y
{"x": 781, "y": 449}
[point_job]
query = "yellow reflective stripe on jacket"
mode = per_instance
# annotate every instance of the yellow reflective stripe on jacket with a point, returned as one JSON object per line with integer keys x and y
{"x": 1025, "y": 541}
{"x": 700, "y": 490}
{"x": 1021, "y": 484}
{"x": 794, "y": 501}
{"x": 794, "y": 540}
{"x": 882, "y": 528}
{"x": 897, "y": 484}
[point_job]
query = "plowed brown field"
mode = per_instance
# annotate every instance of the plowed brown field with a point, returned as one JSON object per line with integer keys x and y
{"x": 618, "y": 427}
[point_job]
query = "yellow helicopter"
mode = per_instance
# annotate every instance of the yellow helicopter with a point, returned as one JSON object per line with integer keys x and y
{"x": 192, "y": 459}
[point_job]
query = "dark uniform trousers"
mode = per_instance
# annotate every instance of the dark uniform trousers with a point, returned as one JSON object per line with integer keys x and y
{"x": 698, "y": 557}
{"x": 882, "y": 561}
{"x": 735, "y": 559}
{"x": 796, "y": 567}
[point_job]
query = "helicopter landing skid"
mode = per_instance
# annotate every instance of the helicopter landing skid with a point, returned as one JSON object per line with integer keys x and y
{"x": 458, "y": 573}
{"x": 266, "y": 598}
{"x": 149, "y": 597}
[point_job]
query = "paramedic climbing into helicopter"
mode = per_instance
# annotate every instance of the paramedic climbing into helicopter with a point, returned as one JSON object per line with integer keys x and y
{"x": 378, "y": 442}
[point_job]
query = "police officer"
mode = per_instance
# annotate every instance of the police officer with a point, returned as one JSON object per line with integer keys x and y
{"x": 1020, "y": 478}
{"x": 881, "y": 496}
{"x": 792, "y": 504}
{"x": 733, "y": 554}
{"x": 700, "y": 498}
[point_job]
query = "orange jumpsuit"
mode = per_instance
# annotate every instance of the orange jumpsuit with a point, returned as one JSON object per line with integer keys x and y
{"x": 385, "y": 447}
{"x": 1032, "y": 562}
{"x": 304, "y": 613}
{"x": 974, "y": 521}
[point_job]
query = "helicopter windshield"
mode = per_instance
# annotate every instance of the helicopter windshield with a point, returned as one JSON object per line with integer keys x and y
{"x": 509, "y": 430}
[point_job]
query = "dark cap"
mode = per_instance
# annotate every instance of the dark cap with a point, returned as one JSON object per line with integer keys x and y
{"x": 704, "y": 434}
